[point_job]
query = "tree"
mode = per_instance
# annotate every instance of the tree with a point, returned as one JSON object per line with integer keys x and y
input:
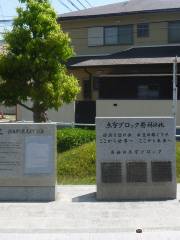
{"x": 33, "y": 64}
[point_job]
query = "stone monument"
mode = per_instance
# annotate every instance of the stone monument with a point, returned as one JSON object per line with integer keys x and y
{"x": 135, "y": 158}
{"x": 27, "y": 161}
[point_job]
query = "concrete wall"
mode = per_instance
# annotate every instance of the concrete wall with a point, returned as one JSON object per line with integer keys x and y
{"x": 131, "y": 108}
{"x": 78, "y": 31}
{"x": 8, "y": 110}
{"x": 110, "y": 108}
{"x": 65, "y": 114}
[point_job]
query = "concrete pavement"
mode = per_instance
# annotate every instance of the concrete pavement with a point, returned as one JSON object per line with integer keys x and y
{"x": 77, "y": 215}
{"x": 92, "y": 236}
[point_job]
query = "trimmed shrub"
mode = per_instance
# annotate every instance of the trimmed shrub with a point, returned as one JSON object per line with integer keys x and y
{"x": 69, "y": 138}
{"x": 77, "y": 165}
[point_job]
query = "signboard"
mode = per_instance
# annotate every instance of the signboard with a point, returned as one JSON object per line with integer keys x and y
{"x": 138, "y": 151}
{"x": 38, "y": 156}
{"x": 27, "y": 158}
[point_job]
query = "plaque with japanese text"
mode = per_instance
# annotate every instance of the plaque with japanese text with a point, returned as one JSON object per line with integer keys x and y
{"x": 145, "y": 150}
{"x": 161, "y": 171}
{"x": 111, "y": 172}
{"x": 136, "y": 172}
{"x": 27, "y": 161}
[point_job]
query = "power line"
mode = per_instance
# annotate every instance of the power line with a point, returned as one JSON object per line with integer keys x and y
{"x": 141, "y": 40}
{"x": 4, "y": 27}
{"x": 81, "y": 4}
{"x": 9, "y": 18}
{"x": 88, "y": 3}
{"x": 66, "y": 6}
{"x": 73, "y": 4}
{"x": 5, "y": 21}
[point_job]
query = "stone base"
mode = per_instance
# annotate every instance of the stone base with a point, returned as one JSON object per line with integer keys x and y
{"x": 28, "y": 194}
{"x": 136, "y": 192}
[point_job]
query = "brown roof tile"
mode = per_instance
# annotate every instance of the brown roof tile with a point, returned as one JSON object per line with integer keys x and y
{"x": 137, "y": 55}
{"x": 124, "y": 8}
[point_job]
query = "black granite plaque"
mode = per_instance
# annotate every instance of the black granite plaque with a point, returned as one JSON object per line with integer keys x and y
{"x": 136, "y": 172}
{"x": 161, "y": 171}
{"x": 111, "y": 172}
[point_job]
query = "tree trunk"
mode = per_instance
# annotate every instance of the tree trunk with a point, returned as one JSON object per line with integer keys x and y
{"x": 39, "y": 113}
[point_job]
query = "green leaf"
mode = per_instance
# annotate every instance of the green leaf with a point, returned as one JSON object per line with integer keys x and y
{"x": 33, "y": 65}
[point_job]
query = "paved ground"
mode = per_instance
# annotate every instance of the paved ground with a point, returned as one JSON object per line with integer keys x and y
{"x": 76, "y": 215}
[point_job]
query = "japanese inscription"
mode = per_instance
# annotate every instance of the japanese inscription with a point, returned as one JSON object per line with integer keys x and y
{"x": 10, "y": 157}
{"x": 135, "y": 158}
{"x": 13, "y": 153}
{"x": 123, "y": 138}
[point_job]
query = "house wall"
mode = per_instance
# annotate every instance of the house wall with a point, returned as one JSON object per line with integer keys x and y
{"x": 111, "y": 108}
{"x": 78, "y": 31}
{"x": 65, "y": 114}
{"x": 86, "y": 73}
{"x": 138, "y": 108}
{"x": 8, "y": 110}
{"x": 158, "y": 28}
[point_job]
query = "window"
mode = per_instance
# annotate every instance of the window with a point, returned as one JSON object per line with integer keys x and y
{"x": 126, "y": 34}
{"x": 143, "y": 30}
{"x": 122, "y": 35}
{"x": 110, "y": 35}
{"x": 95, "y": 83}
{"x": 148, "y": 91}
{"x": 174, "y": 32}
{"x": 95, "y": 36}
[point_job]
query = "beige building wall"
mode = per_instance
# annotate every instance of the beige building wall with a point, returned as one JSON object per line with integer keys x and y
{"x": 158, "y": 26}
{"x": 84, "y": 74}
{"x": 78, "y": 31}
{"x": 138, "y": 108}
{"x": 64, "y": 114}
{"x": 7, "y": 110}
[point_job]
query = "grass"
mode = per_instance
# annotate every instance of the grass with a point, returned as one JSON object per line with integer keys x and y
{"x": 77, "y": 166}
{"x": 69, "y": 138}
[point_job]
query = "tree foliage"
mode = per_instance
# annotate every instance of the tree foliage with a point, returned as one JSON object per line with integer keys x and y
{"x": 33, "y": 64}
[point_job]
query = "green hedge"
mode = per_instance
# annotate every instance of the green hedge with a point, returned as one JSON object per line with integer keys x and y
{"x": 69, "y": 138}
{"x": 78, "y": 165}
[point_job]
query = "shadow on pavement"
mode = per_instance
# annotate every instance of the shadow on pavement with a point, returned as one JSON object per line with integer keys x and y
{"x": 90, "y": 197}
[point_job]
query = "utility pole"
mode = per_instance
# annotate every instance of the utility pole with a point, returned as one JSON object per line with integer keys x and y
{"x": 174, "y": 107}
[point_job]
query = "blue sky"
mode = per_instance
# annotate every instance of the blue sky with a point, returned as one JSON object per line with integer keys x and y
{"x": 8, "y": 7}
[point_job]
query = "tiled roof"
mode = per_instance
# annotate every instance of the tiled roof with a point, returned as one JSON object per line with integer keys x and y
{"x": 137, "y": 55}
{"x": 123, "y": 8}
{"x": 116, "y": 62}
